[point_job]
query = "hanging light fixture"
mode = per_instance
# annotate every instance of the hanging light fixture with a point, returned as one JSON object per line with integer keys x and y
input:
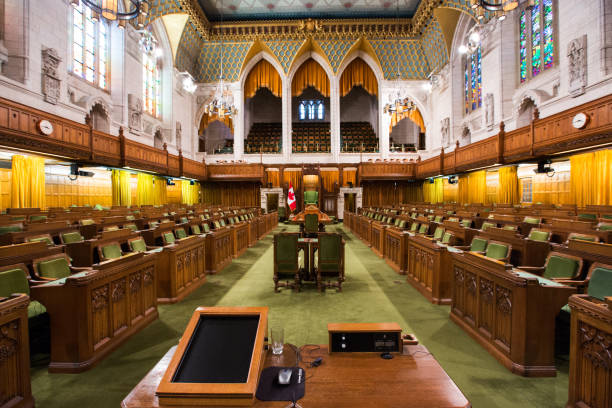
{"x": 400, "y": 104}
{"x": 221, "y": 103}
{"x": 498, "y": 7}
{"x": 109, "y": 10}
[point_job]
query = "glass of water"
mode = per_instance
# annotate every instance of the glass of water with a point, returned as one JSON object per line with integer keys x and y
{"x": 277, "y": 334}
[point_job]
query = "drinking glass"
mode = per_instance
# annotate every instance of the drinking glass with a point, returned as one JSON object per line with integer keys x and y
{"x": 277, "y": 335}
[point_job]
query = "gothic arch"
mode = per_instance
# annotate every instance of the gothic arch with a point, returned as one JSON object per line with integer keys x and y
{"x": 320, "y": 59}
{"x": 374, "y": 66}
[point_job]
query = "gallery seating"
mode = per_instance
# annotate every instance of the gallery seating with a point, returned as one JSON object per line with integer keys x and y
{"x": 356, "y": 137}
{"x": 311, "y": 137}
{"x": 264, "y": 138}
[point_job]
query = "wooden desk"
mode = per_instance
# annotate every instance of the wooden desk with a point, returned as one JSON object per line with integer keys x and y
{"x": 85, "y": 253}
{"x": 309, "y": 246}
{"x": 181, "y": 269}
{"x": 218, "y": 250}
{"x": 429, "y": 269}
{"x": 396, "y": 249}
{"x": 15, "y": 388}
{"x": 344, "y": 380}
{"x": 525, "y": 252}
{"x": 590, "y": 376}
{"x": 94, "y": 312}
{"x": 377, "y": 238}
{"x": 27, "y": 252}
{"x": 510, "y": 313}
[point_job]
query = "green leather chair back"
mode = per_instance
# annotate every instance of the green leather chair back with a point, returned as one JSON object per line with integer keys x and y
{"x": 496, "y": 251}
{"x": 509, "y": 227}
{"x": 35, "y": 218}
{"x": 169, "y": 237}
{"x": 15, "y": 281}
{"x": 184, "y": 220}
{"x": 453, "y": 219}
{"x": 180, "y": 233}
{"x": 138, "y": 245}
{"x": 311, "y": 197}
{"x": 591, "y": 217}
{"x": 330, "y": 247}
{"x": 414, "y": 227}
{"x": 423, "y": 229}
{"x": 236, "y": 220}
{"x": 438, "y": 233}
{"x": 57, "y": 268}
{"x": 111, "y": 228}
{"x": 231, "y": 220}
{"x": 402, "y": 224}
{"x": 561, "y": 267}
{"x": 478, "y": 245}
{"x": 153, "y": 224}
{"x": 311, "y": 223}
{"x": 70, "y": 237}
{"x": 466, "y": 223}
{"x": 604, "y": 226}
{"x": 132, "y": 227}
{"x": 286, "y": 253}
{"x": 590, "y": 238}
{"x": 600, "y": 285}
{"x": 438, "y": 219}
{"x": 532, "y": 220}
{"x": 5, "y": 229}
{"x": 446, "y": 238}
{"x": 206, "y": 228}
{"x": 282, "y": 212}
{"x": 196, "y": 229}
{"x": 47, "y": 240}
{"x": 112, "y": 251}
{"x": 130, "y": 218}
{"x": 222, "y": 222}
{"x": 87, "y": 221}
{"x": 217, "y": 225}
{"x": 538, "y": 235}
{"x": 487, "y": 225}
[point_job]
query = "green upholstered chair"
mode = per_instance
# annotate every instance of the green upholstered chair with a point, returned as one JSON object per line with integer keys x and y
{"x": 438, "y": 233}
{"x": 414, "y": 227}
{"x": 599, "y": 281}
{"x": 38, "y": 218}
{"x": 509, "y": 227}
{"x": 130, "y": 218}
{"x": 498, "y": 250}
{"x": 558, "y": 266}
{"x": 5, "y": 229}
{"x": 222, "y": 222}
{"x": 329, "y": 260}
{"x": 231, "y": 220}
{"x": 53, "y": 267}
{"x": 438, "y": 219}
{"x": 153, "y": 224}
{"x": 604, "y": 226}
{"x": 587, "y": 217}
{"x": 206, "y": 228}
{"x": 110, "y": 251}
{"x": 14, "y": 279}
{"x": 87, "y": 221}
{"x": 130, "y": 226}
{"x": 180, "y": 233}
{"x": 311, "y": 224}
{"x": 137, "y": 245}
{"x": 168, "y": 238}
{"x": 111, "y": 228}
{"x": 286, "y": 261}
{"x": 453, "y": 219}
{"x": 539, "y": 235}
{"x": 448, "y": 238}
{"x": 282, "y": 213}
{"x": 46, "y": 238}
{"x": 487, "y": 225}
{"x": 532, "y": 220}
{"x": 184, "y": 220}
{"x": 236, "y": 220}
{"x": 311, "y": 197}
{"x": 195, "y": 229}
{"x": 479, "y": 244}
{"x": 98, "y": 207}
{"x": 402, "y": 224}
{"x": 70, "y": 237}
{"x": 423, "y": 229}
{"x": 582, "y": 237}
{"x": 466, "y": 223}
{"x": 217, "y": 224}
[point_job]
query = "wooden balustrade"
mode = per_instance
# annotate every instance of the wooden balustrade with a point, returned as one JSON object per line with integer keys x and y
{"x": 387, "y": 171}
{"x": 429, "y": 168}
{"x": 236, "y": 172}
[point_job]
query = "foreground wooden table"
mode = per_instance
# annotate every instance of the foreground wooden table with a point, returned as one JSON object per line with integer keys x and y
{"x": 348, "y": 380}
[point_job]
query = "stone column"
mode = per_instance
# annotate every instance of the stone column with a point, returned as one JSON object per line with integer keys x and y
{"x": 287, "y": 119}
{"x": 334, "y": 117}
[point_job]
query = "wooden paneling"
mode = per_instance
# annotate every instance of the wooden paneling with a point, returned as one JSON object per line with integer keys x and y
{"x": 384, "y": 193}
{"x": 236, "y": 172}
{"x": 242, "y": 194}
{"x": 141, "y": 156}
{"x": 63, "y": 192}
{"x": 193, "y": 169}
{"x": 218, "y": 250}
{"x": 386, "y": 171}
{"x": 395, "y": 249}
{"x": 429, "y": 168}
{"x": 517, "y": 144}
{"x": 181, "y": 269}
{"x": 106, "y": 149}
{"x": 482, "y": 153}
{"x": 429, "y": 269}
{"x": 174, "y": 165}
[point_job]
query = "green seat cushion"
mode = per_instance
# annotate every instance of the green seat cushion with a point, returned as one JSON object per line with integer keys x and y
{"x": 589, "y": 238}
{"x": 46, "y": 240}
{"x": 196, "y": 229}
{"x": 184, "y": 220}
{"x": 13, "y": 281}
{"x": 438, "y": 233}
{"x": 5, "y": 229}
{"x": 206, "y": 228}
{"x": 402, "y": 224}
{"x": 600, "y": 285}
{"x": 423, "y": 229}
{"x": 509, "y": 227}
{"x": 531, "y": 220}
{"x": 88, "y": 221}
{"x": 438, "y": 219}
{"x": 605, "y": 226}
{"x": 217, "y": 225}
{"x": 111, "y": 228}
{"x": 169, "y": 237}
{"x": 446, "y": 238}
{"x": 537, "y": 235}
{"x": 466, "y": 223}
{"x": 496, "y": 251}
{"x": 70, "y": 237}
{"x": 453, "y": 219}
{"x": 487, "y": 225}
{"x": 130, "y": 218}
{"x": 561, "y": 267}
{"x": 112, "y": 251}
{"x": 54, "y": 268}
{"x": 35, "y": 308}
{"x": 588, "y": 216}
{"x": 132, "y": 227}
{"x": 153, "y": 224}
{"x": 138, "y": 245}
{"x": 38, "y": 217}
{"x": 231, "y": 220}
{"x": 180, "y": 233}
{"x": 478, "y": 245}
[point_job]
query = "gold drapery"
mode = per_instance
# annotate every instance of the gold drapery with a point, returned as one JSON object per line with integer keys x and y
{"x": 273, "y": 176}
{"x": 121, "y": 187}
{"x": 207, "y": 120}
{"x": 433, "y": 192}
{"x": 329, "y": 178}
{"x": 591, "y": 178}
{"x": 263, "y": 75}
{"x": 358, "y": 73}
{"x": 507, "y": 189}
{"x": 145, "y": 190}
{"x": 349, "y": 175}
{"x": 450, "y": 191}
{"x": 27, "y": 182}
{"x": 414, "y": 115}
{"x": 477, "y": 187}
{"x": 160, "y": 191}
{"x": 310, "y": 74}
{"x": 463, "y": 191}
{"x": 295, "y": 177}
{"x": 190, "y": 193}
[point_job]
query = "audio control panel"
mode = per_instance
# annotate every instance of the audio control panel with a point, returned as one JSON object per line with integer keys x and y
{"x": 365, "y": 338}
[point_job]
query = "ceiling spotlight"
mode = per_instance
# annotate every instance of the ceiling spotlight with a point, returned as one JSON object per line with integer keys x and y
{"x": 474, "y": 37}
{"x": 462, "y": 49}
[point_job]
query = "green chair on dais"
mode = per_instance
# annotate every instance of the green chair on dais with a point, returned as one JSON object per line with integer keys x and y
{"x": 286, "y": 261}
{"x": 311, "y": 225}
{"x": 329, "y": 260}
{"x": 311, "y": 197}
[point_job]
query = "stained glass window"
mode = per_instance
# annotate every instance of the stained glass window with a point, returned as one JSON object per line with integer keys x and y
{"x": 302, "y": 111}
{"x": 311, "y": 110}
{"x": 151, "y": 87}
{"x": 473, "y": 81}
{"x": 536, "y": 39}
{"x": 89, "y": 47}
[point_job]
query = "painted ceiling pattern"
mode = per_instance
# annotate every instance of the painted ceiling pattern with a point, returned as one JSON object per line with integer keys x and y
{"x": 408, "y": 55}
{"x": 284, "y": 51}
{"x": 234, "y": 10}
{"x": 434, "y": 46}
{"x": 209, "y": 61}
{"x": 336, "y": 51}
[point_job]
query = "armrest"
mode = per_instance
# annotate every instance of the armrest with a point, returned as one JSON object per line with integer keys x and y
{"x": 532, "y": 269}
{"x": 578, "y": 284}
{"x": 462, "y": 247}
{"x": 77, "y": 269}
{"x": 39, "y": 281}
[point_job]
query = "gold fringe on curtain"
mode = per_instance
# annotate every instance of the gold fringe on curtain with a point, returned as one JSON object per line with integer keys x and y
{"x": 349, "y": 175}
{"x": 207, "y": 120}
{"x": 273, "y": 176}
{"x": 329, "y": 178}
{"x": 413, "y": 115}
{"x": 27, "y": 182}
{"x": 122, "y": 194}
{"x": 310, "y": 74}
{"x": 591, "y": 178}
{"x": 358, "y": 73}
{"x": 507, "y": 188}
{"x": 263, "y": 75}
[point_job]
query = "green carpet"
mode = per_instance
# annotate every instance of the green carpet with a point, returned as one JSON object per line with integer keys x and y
{"x": 373, "y": 292}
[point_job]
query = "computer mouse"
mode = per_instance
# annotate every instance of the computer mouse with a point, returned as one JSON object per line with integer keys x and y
{"x": 284, "y": 376}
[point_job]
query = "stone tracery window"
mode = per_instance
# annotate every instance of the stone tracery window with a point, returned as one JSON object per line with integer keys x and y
{"x": 536, "y": 39}
{"x": 90, "y": 38}
{"x": 472, "y": 77}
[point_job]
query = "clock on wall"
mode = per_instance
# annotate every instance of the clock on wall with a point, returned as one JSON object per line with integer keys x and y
{"x": 580, "y": 120}
{"x": 45, "y": 127}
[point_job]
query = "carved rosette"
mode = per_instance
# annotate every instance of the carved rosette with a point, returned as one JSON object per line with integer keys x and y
{"x": 8, "y": 344}
{"x": 596, "y": 346}
{"x": 118, "y": 292}
{"x": 486, "y": 291}
{"x": 459, "y": 277}
{"x": 99, "y": 298}
{"x": 504, "y": 300}
{"x": 471, "y": 283}
{"x": 135, "y": 282}
{"x": 148, "y": 276}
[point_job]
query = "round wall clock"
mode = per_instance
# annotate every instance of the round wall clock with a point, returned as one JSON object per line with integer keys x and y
{"x": 580, "y": 120}
{"x": 45, "y": 127}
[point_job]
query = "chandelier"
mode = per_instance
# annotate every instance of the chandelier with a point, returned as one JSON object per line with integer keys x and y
{"x": 109, "y": 10}
{"x": 400, "y": 104}
{"x": 498, "y": 7}
{"x": 221, "y": 103}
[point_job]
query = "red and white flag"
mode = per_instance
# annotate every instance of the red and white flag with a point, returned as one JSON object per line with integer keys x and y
{"x": 291, "y": 197}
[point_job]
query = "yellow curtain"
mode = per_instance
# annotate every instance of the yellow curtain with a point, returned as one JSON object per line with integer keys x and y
{"x": 591, "y": 178}
{"x": 160, "y": 191}
{"x": 207, "y": 120}
{"x": 310, "y": 74}
{"x": 145, "y": 190}
{"x": 273, "y": 176}
{"x": 263, "y": 75}
{"x": 463, "y": 191}
{"x": 450, "y": 191}
{"x": 349, "y": 175}
{"x": 477, "y": 187}
{"x": 189, "y": 192}
{"x": 507, "y": 188}
{"x": 433, "y": 192}
{"x": 358, "y": 73}
{"x": 295, "y": 177}
{"x": 414, "y": 115}
{"x": 27, "y": 182}
{"x": 121, "y": 187}
{"x": 329, "y": 177}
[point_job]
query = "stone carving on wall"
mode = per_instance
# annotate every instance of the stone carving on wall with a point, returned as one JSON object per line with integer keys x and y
{"x": 489, "y": 111}
{"x": 3, "y": 55}
{"x": 50, "y": 78}
{"x": 135, "y": 108}
{"x": 179, "y": 135}
{"x": 577, "y": 60}
{"x": 445, "y": 131}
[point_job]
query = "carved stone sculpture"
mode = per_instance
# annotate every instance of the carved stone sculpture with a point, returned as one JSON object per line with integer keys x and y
{"x": 50, "y": 78}
{"x": 445, "y": 131}
{"x": 489, "y": 111}
{"x": 577, "y": 60}
{"x": 135, "y": 108}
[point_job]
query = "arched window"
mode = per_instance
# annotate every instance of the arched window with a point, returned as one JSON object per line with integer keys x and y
{"x": 472, "y": 87}
{"x": 302, "y": 111}
{"x": 151, "y": 85}
{"x": 311, "y": 110}
{"x": 90, "y": 39}
{"x": 536, "y": 39}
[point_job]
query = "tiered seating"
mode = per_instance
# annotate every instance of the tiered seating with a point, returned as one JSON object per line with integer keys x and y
{"x": 311, "y": 137}
{"x": 264, "y": 138}
{"x": 401, "y": 147}
{"x": 357, "y": 137}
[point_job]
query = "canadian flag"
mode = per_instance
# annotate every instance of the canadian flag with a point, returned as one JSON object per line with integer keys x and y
{"x": 291, "y": 197}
